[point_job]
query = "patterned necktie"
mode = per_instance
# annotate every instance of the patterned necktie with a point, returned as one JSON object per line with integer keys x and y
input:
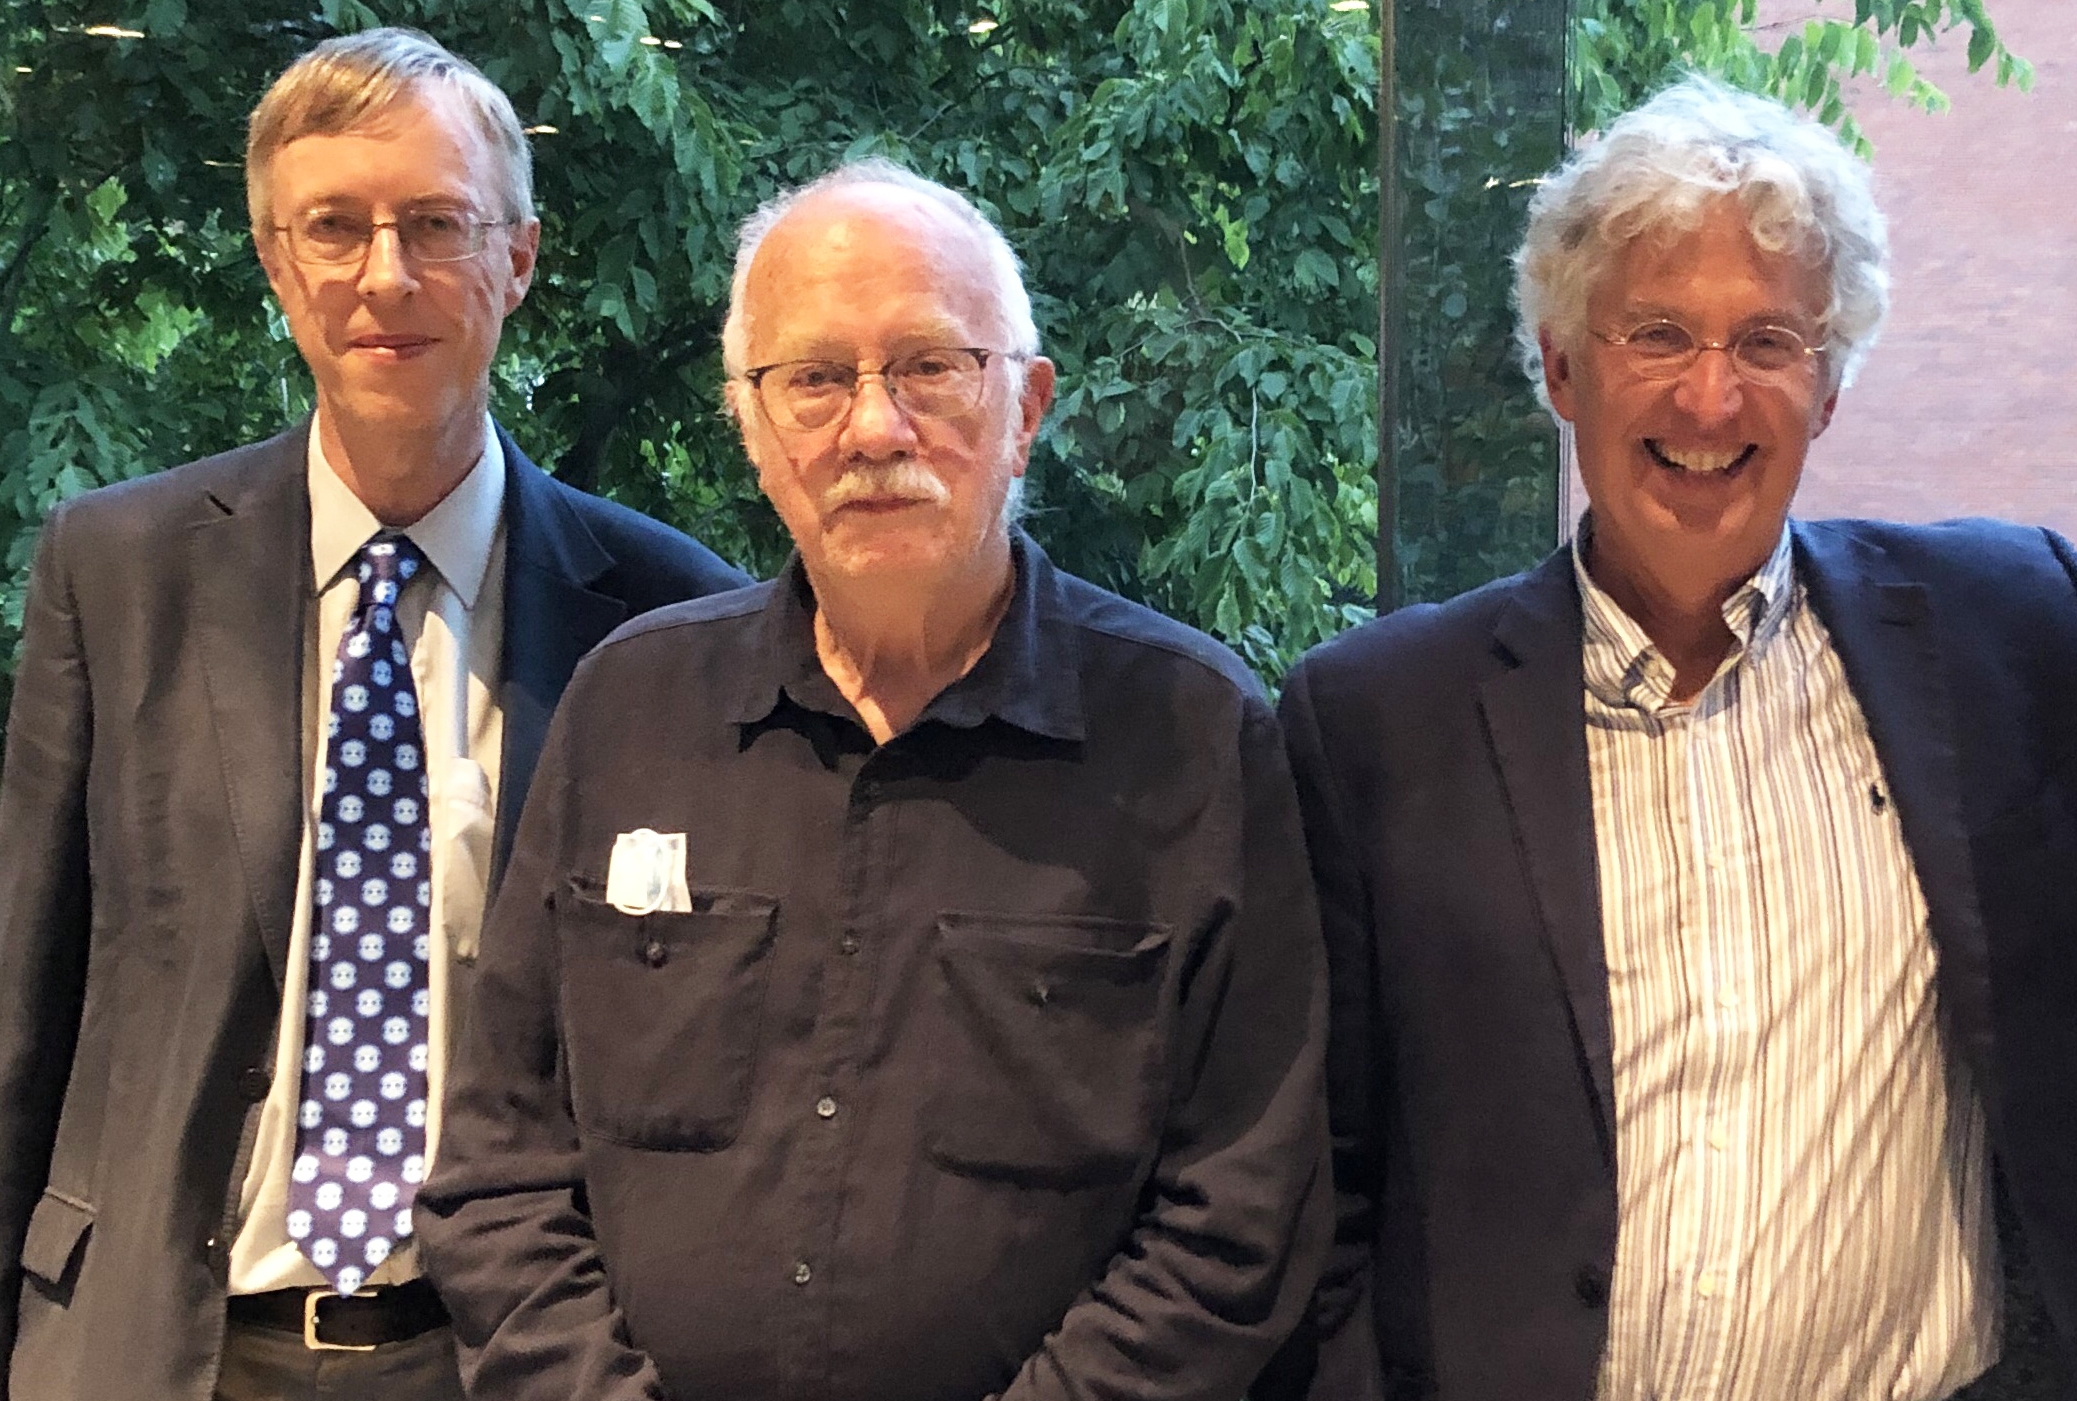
{"x": 360, "y": 1139}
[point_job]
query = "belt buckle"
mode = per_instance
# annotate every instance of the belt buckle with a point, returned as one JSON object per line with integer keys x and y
{"x": 310, "y": 1302}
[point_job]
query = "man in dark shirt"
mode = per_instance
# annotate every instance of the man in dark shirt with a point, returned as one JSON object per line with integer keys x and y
{"x": 906, "y": 986}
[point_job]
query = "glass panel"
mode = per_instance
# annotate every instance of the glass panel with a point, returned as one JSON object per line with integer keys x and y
{"x": 1469, "y": 476}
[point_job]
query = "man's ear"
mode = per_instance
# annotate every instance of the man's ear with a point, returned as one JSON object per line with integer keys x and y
{"x": 1557, "y": 373}
{"x": 1821, "y": 418}
{"x": 267, "y": 244}
{"x": 526, "y": 251}
{"x": 1036, "y": 398}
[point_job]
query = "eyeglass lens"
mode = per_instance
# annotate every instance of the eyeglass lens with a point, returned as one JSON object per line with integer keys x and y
{"x": 428, "y": 235}
{"x": 1662, "y": 349}
{"x": 809, "y": 394}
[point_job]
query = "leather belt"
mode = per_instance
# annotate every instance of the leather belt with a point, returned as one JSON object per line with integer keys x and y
{"x": 357, "y": 1322}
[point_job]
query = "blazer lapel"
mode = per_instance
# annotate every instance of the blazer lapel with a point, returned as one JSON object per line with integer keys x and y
{"x": 1534, "y": 711}
{"x": 1882, "y": 624}
{"x": 250, "y": 560}
{"x": 552, "y": 618}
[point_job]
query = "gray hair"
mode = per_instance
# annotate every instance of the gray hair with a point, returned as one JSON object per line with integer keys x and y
{"x": 1010, "y": 297}
{"x": 355, "y": 78}
{"x": 1660, "y": 168}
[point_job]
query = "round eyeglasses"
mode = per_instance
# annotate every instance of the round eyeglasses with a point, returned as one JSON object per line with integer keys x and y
{"x": 1762, "y": 354}
{"x": 943, "y": 382}
{"x": 333, "y": 236}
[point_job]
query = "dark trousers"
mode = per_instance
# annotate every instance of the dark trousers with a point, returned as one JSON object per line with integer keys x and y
{"x": 261, "y": 1364}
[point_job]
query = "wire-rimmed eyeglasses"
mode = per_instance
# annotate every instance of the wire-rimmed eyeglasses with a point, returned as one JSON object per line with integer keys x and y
{"x": 329, "y": 236}
{"x": 1767, "y": 353}
{"x": 941, "y": 382}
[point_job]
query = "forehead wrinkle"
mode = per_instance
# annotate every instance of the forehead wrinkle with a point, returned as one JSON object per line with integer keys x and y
{"x": 1675, "y": 265}
{"x": 1638, "y": 312}
{"x": 474, "y": 172}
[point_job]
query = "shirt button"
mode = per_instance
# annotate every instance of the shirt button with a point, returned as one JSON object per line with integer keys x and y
{"x": 848, "y": 944}
{"x": 825, "y": 1108}
{"x": 655, "y": 954}
{"x": 1590, "y": 1285}
{"x": 1705, "y": 1286}
{"x": 801, "y": 1273}
{"x": 1717, "y": 1139}
{"x": 1727, "y": 1000}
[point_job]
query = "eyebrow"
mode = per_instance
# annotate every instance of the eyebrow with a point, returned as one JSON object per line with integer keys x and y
{"x": 1766, "y": 316}
{"x": 937, "y": 338}
{"x": 439, "y": 201}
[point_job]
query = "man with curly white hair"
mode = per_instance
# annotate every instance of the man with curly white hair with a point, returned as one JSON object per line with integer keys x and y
{"x": 1700, "y": 968}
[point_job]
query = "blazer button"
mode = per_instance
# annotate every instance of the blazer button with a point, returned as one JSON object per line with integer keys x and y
{"x": 1591, "y": 1285}
{"x": 254, "y": 1082}
{"x": 655, "y": 954}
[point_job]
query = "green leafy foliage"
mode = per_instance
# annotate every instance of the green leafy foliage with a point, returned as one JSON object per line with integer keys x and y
{"x": 1191, "y": 184}
{"x": 1629, "y": 48}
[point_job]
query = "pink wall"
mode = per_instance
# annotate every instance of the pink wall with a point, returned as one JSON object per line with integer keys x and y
{"x": 1968, "y": 405}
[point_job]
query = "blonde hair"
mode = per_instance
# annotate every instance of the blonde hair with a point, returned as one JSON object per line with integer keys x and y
{"x": 354, "y": 78}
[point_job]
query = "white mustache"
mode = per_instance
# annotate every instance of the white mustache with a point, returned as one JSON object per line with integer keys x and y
{"x": 904, "y": 481}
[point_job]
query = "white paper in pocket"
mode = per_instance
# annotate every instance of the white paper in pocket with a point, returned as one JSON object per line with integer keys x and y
{"x": 646, "y": 873}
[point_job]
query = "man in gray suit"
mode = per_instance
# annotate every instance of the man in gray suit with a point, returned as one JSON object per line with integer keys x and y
{"x": 275, "y": 713}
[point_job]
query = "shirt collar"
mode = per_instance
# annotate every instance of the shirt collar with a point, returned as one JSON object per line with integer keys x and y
{"x": 1624, "y": 666}
{"x": 1029, "y": 677}
{"x": 456, "y": 536}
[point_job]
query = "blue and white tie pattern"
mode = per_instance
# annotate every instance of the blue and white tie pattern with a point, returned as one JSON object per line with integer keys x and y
{"x": 360, "y": 1139}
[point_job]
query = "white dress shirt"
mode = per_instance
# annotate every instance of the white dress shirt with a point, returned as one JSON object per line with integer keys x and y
{"x": 1804, "y": 1196}
{"x": 453, "y": 621}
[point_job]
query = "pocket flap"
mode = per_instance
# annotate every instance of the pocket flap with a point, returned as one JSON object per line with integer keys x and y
{"x": 57, "y": 1229}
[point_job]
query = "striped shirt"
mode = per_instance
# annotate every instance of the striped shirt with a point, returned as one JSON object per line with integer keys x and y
{"x": 1801, "y": 1171}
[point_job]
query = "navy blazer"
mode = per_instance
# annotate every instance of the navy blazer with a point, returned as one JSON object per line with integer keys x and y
{"x": 150, "y": 825}
{"x": 1442, "y": 764}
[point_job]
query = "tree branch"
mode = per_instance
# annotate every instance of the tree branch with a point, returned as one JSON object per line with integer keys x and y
{"x": 14, "y": 276}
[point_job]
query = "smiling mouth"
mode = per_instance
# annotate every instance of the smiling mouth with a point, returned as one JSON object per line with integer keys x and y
{"x": 1700, "y": 462}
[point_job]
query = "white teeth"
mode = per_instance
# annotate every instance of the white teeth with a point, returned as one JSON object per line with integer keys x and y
{"x": 1699, "y": 459}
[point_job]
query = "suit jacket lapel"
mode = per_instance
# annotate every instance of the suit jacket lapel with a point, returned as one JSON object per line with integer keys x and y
{"x": 1533, "y": 704}
{"x": 552, "y": 618}
{"x": 250, "y": 562}
{"x": 1882, "y": 624}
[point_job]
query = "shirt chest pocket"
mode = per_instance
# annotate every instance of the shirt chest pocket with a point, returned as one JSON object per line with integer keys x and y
{"x": 662, "y": 1015}
{"x": 1048, "y": 1047}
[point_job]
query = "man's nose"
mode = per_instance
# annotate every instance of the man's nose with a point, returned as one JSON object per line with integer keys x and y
{"x": 384, "y": 267}
{"x": 1710, "y": 390}
{"x": 877, "y": 426}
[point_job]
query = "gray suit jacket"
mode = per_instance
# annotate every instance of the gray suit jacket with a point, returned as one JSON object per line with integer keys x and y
{"x": 150, "y": 821}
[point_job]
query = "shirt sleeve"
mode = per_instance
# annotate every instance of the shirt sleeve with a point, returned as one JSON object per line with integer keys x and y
{"x": 1333, "y": 1355}
{"x": 1236, "y": 1220}
{"x": 503, "y": 1224}
{"x": 43, "y": 901}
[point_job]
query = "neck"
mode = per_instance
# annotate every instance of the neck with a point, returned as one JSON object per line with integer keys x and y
{"x": 400, "y": 474}
{"x": 1683, "y": 618}
{"x": 891, "y": 650}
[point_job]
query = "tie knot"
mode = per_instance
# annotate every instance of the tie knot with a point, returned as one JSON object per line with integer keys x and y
{"x": 386, "y": 564}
